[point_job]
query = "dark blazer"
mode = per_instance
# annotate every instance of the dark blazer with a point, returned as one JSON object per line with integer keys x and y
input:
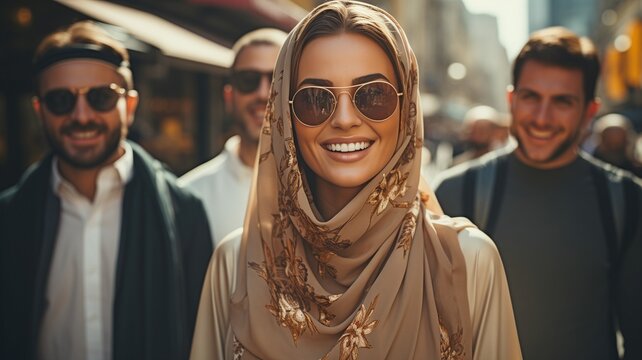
{"x": 164, "y": 250}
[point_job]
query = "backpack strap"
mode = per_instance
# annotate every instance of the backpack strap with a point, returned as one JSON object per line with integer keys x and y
{"x": 469, "y": 195}
{"x": 631, "y": 214}
{"x": 483, "y": 191}
{"x": 610, "y": 197}
{"x": 498, "y": 194}
{"x": 619, "y": 207}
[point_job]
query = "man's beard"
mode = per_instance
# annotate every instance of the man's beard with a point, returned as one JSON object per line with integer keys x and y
{"x": 245, "y": 127}
{"x": 570, "y": 142}
{"x": 111, "y": 145}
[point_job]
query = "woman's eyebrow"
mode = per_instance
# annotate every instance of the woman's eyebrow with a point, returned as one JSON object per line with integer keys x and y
{"x": 369, "y": 77}
{"x": 317, "y": 82}
{"x": 355, "y": 81}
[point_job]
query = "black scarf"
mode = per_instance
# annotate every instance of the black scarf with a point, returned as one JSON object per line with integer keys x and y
{"x": 157, "y": 290}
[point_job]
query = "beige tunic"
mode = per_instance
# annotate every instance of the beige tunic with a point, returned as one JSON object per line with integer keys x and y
{"x": 491, "y": 311}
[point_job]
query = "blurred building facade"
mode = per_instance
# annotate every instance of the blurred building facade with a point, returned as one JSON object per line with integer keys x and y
{"x": 180, "y": 54}
{"x": 578, "y": 15}
{"x": 619, "y": 37}
{"x": 180, "y": 117}
{"x": 616, "y": 28}
{"x": 461, "y": 61}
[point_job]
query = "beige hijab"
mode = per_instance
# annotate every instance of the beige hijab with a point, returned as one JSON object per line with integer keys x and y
{"x": 378, "y": 279}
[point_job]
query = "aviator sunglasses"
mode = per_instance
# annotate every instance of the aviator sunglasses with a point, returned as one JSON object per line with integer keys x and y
{"x": 376, "y": 100}
{"x": 101, "y": 98}
{"x": 247, "y": 81}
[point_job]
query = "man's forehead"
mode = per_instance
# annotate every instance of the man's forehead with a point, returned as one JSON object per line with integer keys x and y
{"x": 257, "y": 57}
{"x": 537, "y": 76}
{"x": 79, "y": 73}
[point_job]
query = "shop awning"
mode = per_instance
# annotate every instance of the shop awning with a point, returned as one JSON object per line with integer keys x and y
{"x": 171, "y": 39}
{"x": 283, "y": 13}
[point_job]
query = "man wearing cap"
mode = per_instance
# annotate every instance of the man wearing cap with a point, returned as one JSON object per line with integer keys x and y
{"x": 484, "y": 131}
{"x": 101, "y": 254}
{"x": 615, "y": 136}
{"x": 223, "y": 183}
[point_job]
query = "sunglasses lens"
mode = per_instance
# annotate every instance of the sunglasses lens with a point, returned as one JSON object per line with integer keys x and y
{"x": 60, "y": 101}
{"x": 312, "y": 106}
{"x": 377, "y": 100}
{"x": 248, "y": 81}
{"x": 102, "y": 98}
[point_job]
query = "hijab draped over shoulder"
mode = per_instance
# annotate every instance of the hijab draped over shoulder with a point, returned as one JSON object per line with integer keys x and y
{"x": 379, "y": 278}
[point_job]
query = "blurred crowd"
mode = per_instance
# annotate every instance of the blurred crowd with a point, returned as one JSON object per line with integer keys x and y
{"x": 611, "y": 138}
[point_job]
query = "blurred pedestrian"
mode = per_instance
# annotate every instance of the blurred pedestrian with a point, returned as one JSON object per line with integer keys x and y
{"x": 484, "y": 131}
{"x": 567, "y": 227}
{"x": 615, "y": 139}
{"x": 341, "y": 255}
{"x": 101, "y": 255}
{"x": 223, "y": 183}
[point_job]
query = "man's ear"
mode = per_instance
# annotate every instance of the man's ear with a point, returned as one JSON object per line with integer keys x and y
{"x": 132, "y": 103}
{"x": 591, "y": 109}
{"x": 37, "y": 107}
{"x": 228, "y": 95}
{"x": 510, "y": 92}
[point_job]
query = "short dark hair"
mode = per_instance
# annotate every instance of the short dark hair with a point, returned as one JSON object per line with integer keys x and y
{"x": 263, "y": 36}
{"x": 558, "y": 46}
{"x": 86, "y": 33}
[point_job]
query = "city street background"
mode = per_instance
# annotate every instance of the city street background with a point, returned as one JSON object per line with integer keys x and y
{"x": 181, "y": 52}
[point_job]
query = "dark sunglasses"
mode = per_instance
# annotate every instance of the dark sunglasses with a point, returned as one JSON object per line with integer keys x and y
{"x": 376, "y": 100}
{"x": 247, "y": 81}
{"x": 101, "y": 98}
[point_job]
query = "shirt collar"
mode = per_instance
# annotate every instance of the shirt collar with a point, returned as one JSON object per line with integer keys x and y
{"x": 124, "y": 167}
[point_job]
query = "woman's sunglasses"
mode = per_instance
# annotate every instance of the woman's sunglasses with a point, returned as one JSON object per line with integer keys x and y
{"x": 247, "y": 81}
{"x": 376, "y": 100}
{"x": 101, "y": 98}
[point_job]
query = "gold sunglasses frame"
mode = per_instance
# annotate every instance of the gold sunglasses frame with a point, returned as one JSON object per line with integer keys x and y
{"x": 336, "y": 99}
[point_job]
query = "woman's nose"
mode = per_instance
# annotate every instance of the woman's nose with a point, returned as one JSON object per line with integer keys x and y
{"x": 345, "y": 115}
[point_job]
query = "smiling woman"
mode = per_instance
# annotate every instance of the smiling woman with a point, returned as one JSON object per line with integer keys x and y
{"x": 340, "y": 256}
{"x": 347, "y": 149}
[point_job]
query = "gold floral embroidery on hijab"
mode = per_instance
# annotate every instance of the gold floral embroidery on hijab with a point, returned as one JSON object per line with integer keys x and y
{"x": 408, "y": 227}
{"x": 325, "y": 242}
{"x": 291, "y": 297}
{"x": 392, "y": 186}
{"x": 450, "y": 346}
{"x": 239, "y": 350}
{"x": 270, "y": 119}
{"x": 354, "y": 337}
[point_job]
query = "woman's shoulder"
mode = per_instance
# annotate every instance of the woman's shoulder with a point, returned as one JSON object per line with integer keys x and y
{"x": 477, "y": 247}
{"x": 483, "y": 263}
{"x": 475, "y": 242}
{"x": 231, "y": 243}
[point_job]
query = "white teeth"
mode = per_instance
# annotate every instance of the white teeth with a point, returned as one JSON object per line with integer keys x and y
{"x": 541, "y": 134}
{"x": 84, "y": 134}
{"x": 349, "y": 147}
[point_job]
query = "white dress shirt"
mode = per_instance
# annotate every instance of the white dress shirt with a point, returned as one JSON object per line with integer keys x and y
{"x": 223, "y": 184}
{"x": 77, "y": 322}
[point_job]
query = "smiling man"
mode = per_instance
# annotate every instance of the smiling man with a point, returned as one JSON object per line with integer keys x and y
{"x": 223, "y": 183}
{"x": 101, "y": 254}
{"x": 566, "y": 225}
